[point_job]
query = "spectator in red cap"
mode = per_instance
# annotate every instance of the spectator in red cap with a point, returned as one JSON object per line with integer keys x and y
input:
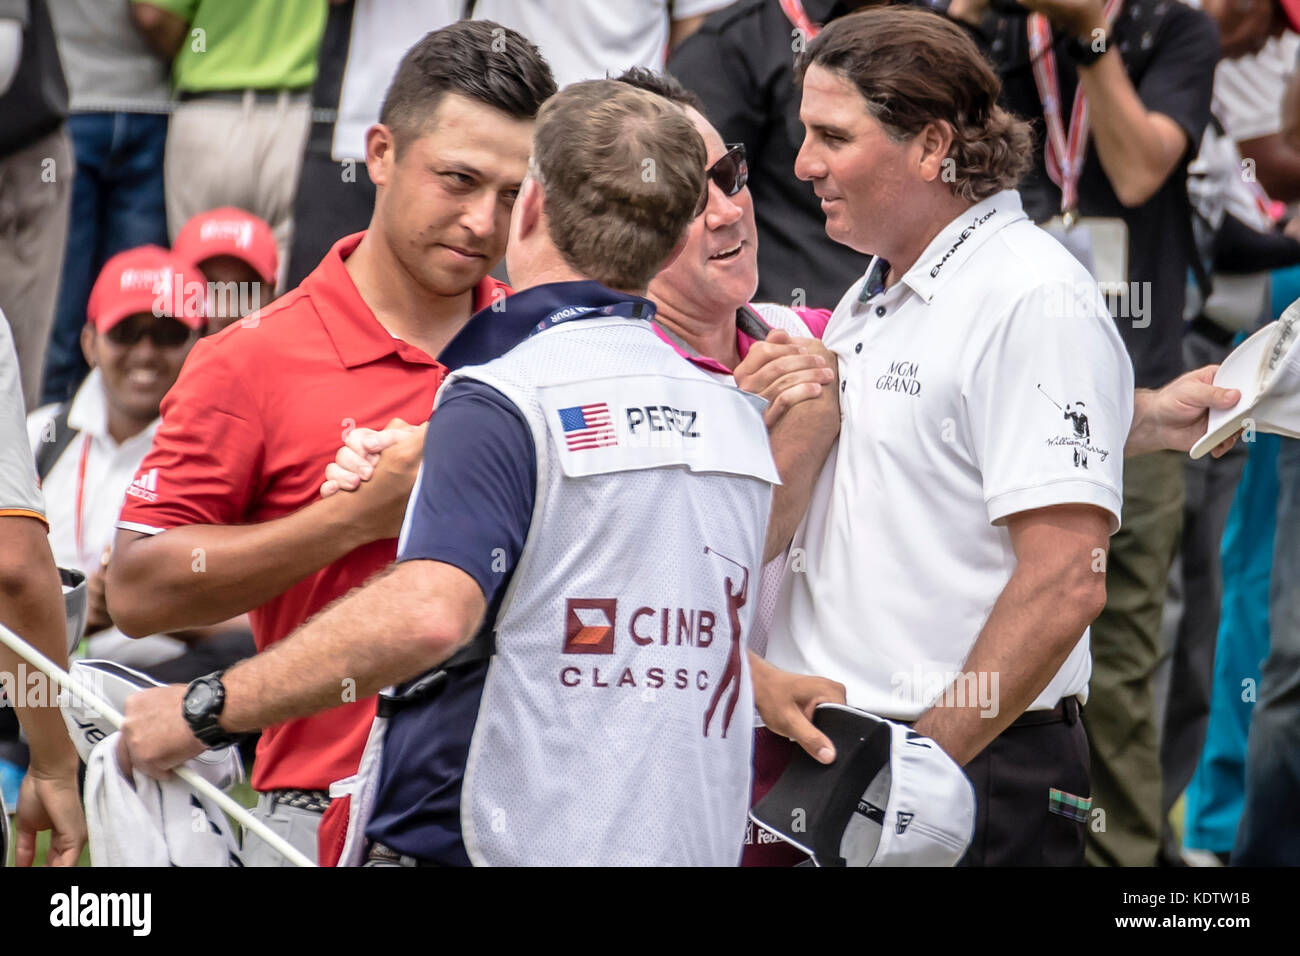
{"x": 145, "y": 312}
{"x": 236, "y": 253}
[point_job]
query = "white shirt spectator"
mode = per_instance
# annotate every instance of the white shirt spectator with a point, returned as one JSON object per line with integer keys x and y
{"x": 589, "y": 39}
{"x": 382, "y": 32}
{"x": 988, "y": 381}
{"x": 92, "y": 474}
{"x": 1248, "y": 90}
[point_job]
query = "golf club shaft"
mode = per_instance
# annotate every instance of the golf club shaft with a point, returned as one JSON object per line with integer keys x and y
{"x": 205, "y": 787}
{"x": 708, "y": 550}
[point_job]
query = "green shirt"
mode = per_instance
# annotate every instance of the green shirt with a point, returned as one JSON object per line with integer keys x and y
{"x": 246, "y": 44}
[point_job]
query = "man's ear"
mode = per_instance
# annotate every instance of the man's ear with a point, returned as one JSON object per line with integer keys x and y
{"x": 381, "y": 153}
{"x": 88, "y": 344}
{"x": 935, "y": 140}
{"x": 529, "y": 208}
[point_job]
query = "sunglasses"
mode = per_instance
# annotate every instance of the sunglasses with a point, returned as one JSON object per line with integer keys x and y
{"x": 731, "y": 173}
{"x": 164, "y": 333}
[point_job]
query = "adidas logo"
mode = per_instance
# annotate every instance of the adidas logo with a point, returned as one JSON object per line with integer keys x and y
{"x": 145, "y": 487}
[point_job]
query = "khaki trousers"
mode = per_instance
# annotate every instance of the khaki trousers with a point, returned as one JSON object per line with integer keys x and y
{"x": 1120, "y": 715}
{"x": 35, "y": 194}
{"x": 245, "y": 154}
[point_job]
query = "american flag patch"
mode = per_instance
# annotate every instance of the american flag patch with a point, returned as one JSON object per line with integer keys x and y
{"x": 587, "y": 426}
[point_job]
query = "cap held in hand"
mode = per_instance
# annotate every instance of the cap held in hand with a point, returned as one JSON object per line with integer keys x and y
{"x": 1266, "y": 369}
{"x": 891, "y": 798}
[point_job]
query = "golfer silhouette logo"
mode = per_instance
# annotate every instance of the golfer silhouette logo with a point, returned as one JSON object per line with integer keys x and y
{"x": 1080, "y": 432}
{"x": 731, "y": 675}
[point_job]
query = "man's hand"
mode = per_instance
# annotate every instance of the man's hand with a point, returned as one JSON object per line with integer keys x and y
{"x": 786, "y": 703}
{"x": 155, "y": 737}
{"x": 785, "y": 371}
{"x": 355, "y": 461}
{"x": 1078, "y": 17}
{"x": 379, "y": 469}
{"x": 50, "y": 800}
{"x": 1178, "y": 415}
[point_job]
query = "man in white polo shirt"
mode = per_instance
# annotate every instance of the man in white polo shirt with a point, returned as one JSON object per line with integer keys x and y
{"x": 954, "y": 549}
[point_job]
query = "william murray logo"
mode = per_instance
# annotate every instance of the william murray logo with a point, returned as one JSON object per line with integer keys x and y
{"x": 1078, "y": 432}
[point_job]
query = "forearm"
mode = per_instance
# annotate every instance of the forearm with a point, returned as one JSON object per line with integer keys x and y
{"x": 389, "y": 631}
{"x": 801, "y": 442}
{"x": 1030, "y": 632}
{"x": 204, "y": 574}
{"x": 1144, "y": 434}
{"x": 163, "y": 31}
{"x": 31, "y": 605}
{"x": 1133, "y": 152}
{"x": 1276, "y": 165}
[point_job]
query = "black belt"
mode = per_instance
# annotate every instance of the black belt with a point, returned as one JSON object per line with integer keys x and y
{"x": 1066, "y": 709}
{"x": 237, "y": 96}
{"x": 315, "y": 801}
{"x": 387, "y": 856}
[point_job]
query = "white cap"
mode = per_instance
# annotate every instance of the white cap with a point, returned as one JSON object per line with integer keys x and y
{"x": 1266, "y": 368}
{"x": 891, "y": 798}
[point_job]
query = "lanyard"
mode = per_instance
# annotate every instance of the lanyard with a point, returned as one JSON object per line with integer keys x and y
{"x": 571, "y": 313}
{"x": 795, "y": 13}
{"x": 79, "y": 523}
{"x": 1063, "y": 153}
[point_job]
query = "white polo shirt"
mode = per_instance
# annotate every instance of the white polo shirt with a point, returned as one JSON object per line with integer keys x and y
{"x": 591, "y": 39}
{"x": 83, "y": 496}
{"x": 987, "y": 381}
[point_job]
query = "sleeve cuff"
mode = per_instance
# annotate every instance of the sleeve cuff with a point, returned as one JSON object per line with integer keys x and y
{"x": 142, "y": 528}
{"x": 1064, "y": 492}
{"x": 24, "y": 513}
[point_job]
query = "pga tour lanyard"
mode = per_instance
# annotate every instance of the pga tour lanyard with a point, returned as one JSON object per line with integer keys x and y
{"x": 571, "y": 313}
{"x": 795, "y": 13}
{"x": 1064, "y": 154}
{"x": 79, "y": 524}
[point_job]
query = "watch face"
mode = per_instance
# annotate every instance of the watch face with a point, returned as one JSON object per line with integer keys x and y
{"x": 198, "y": 699}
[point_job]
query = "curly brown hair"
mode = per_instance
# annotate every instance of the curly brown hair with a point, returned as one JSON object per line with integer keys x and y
{"x": 915, "y": 67}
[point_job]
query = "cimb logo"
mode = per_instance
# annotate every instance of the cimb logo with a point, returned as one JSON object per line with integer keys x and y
{"x": 77, "y": 909}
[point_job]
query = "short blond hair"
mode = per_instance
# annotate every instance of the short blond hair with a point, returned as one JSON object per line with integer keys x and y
{"x": 622, "y": 171}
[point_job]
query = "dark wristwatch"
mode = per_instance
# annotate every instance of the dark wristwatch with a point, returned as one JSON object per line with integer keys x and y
{"x": 1082, "y": 53}
{"x": 205, "y": 698}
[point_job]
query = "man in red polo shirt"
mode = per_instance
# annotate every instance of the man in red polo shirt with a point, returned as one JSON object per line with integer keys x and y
{"x": 223, "y": 516}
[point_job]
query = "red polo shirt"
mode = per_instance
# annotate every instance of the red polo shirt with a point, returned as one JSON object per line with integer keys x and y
{"x": 247, "y": 430}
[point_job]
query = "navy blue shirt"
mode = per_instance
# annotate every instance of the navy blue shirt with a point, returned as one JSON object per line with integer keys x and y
{"x": 472, "y": 510}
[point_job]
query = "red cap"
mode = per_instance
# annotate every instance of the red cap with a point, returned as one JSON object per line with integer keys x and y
{"x": 147, "y": 279}
{"x": 1292, "y": 10}
{"x": 229, "y": 232}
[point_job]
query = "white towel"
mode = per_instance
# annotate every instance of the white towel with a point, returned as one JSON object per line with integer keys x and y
{"x": 148, "y": 822}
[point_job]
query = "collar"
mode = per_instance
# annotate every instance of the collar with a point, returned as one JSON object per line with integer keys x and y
{"x": 958, "y": 241}
{"x": 89, "y": 409}
{"x": 88, "y": 413}
{"x": 358, "y": 336}
{"x": 495, "y": 330}
{"x": 744, "y": 342}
